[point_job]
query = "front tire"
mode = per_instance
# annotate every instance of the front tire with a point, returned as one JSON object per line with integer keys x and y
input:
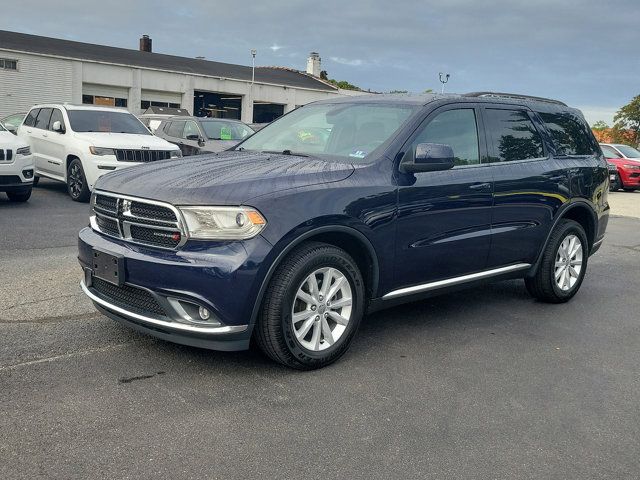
{"x": 20, "y": 197}
{"x": 77, "y": 182}
{"x": 563, "y": 265}
{"x": 312, "y": 307}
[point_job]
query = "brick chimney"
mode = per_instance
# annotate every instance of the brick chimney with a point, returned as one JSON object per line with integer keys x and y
{"x": 145, "y": 44}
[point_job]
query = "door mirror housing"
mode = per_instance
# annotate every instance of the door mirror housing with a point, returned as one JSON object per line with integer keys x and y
{"x": 430, "y": 157}
{"x": 57, "y": 127}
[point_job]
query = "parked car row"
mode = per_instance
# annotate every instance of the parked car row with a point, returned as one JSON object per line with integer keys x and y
{"x": 77, "y": 144}
{"x": 626, "y": 160}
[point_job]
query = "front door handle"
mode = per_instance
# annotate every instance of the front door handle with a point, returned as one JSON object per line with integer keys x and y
{"x": 481, "y": 186}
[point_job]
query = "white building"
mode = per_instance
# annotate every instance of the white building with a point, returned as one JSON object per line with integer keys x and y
{"x": 36, "y": 69}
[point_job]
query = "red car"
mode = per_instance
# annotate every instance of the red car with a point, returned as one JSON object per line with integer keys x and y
{"x": 627, "y": 161}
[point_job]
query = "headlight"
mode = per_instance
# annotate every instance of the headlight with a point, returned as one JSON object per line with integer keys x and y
{"x": 176, "y": 154}
{"x": 102, "y": 151}
{"x": 632, "y": 167}
{"x": 23, "y": 151}
{"x": 222, "y": 223}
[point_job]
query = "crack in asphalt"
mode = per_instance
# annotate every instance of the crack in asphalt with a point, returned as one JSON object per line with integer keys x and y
{"x": 40, "y": 300}
{"x": 79, "y": 353}
{"x": 57, "y": 319}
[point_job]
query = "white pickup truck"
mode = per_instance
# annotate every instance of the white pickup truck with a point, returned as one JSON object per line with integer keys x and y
{"x": 16, "y": 167}
{"x": 77, "y": 144}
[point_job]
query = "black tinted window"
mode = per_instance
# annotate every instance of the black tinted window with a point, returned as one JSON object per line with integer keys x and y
{"x": 56, "y": 116}
{"x": 42, "y": 121}
{"x": 106, "y": 121}
{"x": 176, "y": 129}
{"x": 456, "y": 128}
{"x": 30, "y": 121}
{"x": 513, "y": 135}
{"x": 569, "y": 136}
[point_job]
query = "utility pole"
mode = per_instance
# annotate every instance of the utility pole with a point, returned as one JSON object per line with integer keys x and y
{"x": 444, "y": 78}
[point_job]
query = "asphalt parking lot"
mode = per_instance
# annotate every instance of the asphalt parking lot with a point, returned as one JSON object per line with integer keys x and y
{"x": 482, "y": 384}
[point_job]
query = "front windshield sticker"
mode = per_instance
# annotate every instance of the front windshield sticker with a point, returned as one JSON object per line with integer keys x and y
{"x": 225, "y": 133}
{"x": 358, "y": 154}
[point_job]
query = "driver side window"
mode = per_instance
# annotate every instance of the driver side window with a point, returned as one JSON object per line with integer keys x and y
{"x": 191, "y": 129}
{"x": 456, "y": 128}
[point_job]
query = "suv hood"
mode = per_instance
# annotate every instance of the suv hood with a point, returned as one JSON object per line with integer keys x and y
{"x": 8, "y": 141}
{"x": 124, "y": 140}
{"x": 228, "y": 178}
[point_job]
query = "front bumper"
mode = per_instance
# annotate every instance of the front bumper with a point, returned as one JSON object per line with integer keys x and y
{"x": 17, "y": 175}
{"x": 224, "y": 278}
{"x": 630, "y": 178}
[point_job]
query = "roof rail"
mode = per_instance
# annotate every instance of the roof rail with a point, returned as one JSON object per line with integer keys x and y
{"x": 514, "y": 96}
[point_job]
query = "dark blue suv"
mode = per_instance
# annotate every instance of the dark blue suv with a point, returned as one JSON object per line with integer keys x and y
{"x": 343, "y": 207}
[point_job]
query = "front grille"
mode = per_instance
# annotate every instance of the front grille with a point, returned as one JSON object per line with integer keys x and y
{"x": 5, "y": 155}
{"x": 9, "y": 179}
{"x": 148, "y": 210}
{"x": 153, "y": 236}
{"x": 128, "y": 297}
{"x": 138, "y": 221}
{"x": 130, "y": 155}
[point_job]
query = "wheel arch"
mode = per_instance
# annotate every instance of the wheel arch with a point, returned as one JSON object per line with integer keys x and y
{"x": 67, "y": 162}
{"x": 354, "y": 242}
{"x": 579, "y": 211}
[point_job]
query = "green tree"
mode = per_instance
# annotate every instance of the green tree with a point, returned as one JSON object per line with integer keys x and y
{"x": 600, "y": 125}
{"x": 628, "y": 117}
{"x": 399, "y": 91}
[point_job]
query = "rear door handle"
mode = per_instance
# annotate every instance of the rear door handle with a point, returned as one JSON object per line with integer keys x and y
{"x": 481, "y": 186}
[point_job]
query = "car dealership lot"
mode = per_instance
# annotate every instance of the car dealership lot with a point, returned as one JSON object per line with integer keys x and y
{"x": 494, "y": 385}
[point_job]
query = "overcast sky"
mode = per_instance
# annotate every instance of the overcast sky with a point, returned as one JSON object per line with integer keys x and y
{"x": 584, "y": 52}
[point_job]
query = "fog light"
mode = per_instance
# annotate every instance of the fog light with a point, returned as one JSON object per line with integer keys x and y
{"x": 27, "y": 173}
{"x": 204, "y": 313}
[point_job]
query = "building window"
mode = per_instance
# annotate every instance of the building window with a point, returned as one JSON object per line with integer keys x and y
{"x": 106, "y": 101}
{"x": 144, "y": 104}
{"x": 8, "y": 64}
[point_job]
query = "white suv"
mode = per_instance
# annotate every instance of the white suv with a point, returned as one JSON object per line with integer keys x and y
{"x": 77, "y": 144}
{"x": 16, "y": 167}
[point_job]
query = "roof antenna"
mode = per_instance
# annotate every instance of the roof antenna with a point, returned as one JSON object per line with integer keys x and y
{"x": 444, "y": 78}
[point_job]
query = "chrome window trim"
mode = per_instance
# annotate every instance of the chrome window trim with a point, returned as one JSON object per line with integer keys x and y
{"x": 125, "y": 230}
{"x": 227, "y": 329}
{"x": 454, "y": 281}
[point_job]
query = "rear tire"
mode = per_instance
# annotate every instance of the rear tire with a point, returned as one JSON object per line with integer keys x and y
{"x": 312, "y": 307}
{"x": 563, "y": 265}
{"x": 77, "y": 182}
{"x": 19, "y": 196}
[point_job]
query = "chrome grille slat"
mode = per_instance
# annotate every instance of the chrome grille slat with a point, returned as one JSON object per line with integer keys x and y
{"x": 137, "y": 220}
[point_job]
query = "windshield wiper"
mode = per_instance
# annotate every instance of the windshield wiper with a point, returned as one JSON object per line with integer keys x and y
{"x": 286, "y": 152}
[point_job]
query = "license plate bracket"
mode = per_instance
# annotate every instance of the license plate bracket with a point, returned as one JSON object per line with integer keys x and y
{"x": 108, "y": 267}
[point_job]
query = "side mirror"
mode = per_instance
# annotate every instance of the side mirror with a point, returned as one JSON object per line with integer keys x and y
{"x": 57, "y": 127}
{"x": 201, "y": 142}
{"x": 430, "y": 157}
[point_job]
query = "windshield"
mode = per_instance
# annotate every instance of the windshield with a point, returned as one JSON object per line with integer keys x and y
{"x": 104, "y": 121}
{"x": 350, "y": 131}
{"x": 221, "y": 130}
{"x": 628, "y": 151}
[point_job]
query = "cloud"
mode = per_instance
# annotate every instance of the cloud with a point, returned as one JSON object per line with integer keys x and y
{"x": 356, "y": 62}
{"x": 275, "y": 47}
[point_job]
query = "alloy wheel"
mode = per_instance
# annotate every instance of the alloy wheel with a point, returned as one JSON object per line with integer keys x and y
{"x": 568, "y": 263}
{"x": 76, "y": 181}
{"x": 322, "y": 309}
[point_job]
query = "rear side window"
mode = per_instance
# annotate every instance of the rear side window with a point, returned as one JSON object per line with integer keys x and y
{"x": 175, "y": 129}
{"x": 30, "y": 121}
{"x": 569, "y": 136}
{"x": 513, "y": 135}
{"x": 42, "y": 121}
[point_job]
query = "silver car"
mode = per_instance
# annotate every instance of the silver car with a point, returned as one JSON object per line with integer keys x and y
{"x": 197, "y": 135}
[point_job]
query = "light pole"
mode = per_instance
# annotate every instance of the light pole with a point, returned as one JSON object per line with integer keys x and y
{"x": 444, "y": 78}
{"x": 253, "y": 77}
